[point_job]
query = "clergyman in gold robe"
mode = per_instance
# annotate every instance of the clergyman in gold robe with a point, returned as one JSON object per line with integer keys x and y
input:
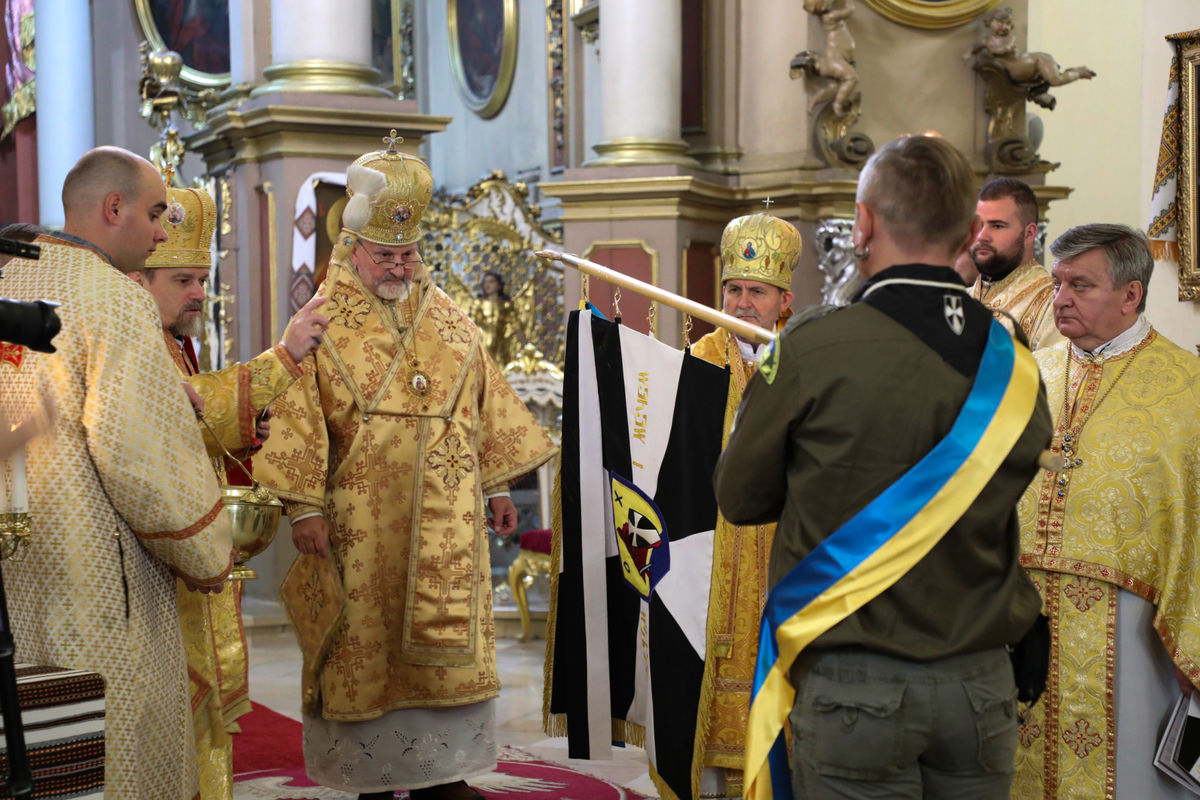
{"x": 233, "y": 400}
{"x": 1010, "y": 280}
{"x": 388, "y": 453}
{"x": 122, "y": 497}
{"x": 1111, "y": 541}
{"x": 758, "y": 254}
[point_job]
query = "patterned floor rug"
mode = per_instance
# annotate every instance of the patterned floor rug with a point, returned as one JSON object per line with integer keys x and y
{"x": 268, "y": 764}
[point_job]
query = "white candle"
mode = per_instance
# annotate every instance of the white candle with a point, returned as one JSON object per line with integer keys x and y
{"x": 19, "y": 502}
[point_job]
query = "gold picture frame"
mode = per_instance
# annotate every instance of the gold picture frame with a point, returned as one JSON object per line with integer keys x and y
{"x": 483, "y": 51}
{"x": 191, "y": 75}
{"x": 1186, "y": 193}
{"x": 932, "y": 14}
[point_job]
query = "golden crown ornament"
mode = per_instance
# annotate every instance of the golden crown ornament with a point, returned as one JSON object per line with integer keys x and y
{"x": 397, "y": 206}
{"x": 189, "y": 220}
{"x": 760, "y": 247}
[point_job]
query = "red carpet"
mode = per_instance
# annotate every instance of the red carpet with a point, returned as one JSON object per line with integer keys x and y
{"x": 268, "y": 740}
{"x": 268, "y": 764}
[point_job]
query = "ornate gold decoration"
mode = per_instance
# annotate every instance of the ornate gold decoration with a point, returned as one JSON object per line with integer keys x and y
{"x": 631, "y": 150}
{"x": 930, "y": 14}
{"x": 189, "y": 220}
{"x": 525, "y": 568}
{"x": 396, "y": 213}
{"x": 322, "y": 75}
{"x": 1186, "y": 200}
{"x": 556, "y": 74}
{"x": 760, "y": 247}
{"x": 162, "y": 95}
{"x": 14, "y": 533}
{"x": 191, "y": 77}
{"x": 492, "y": 227}
{"x": 489, "y": 103}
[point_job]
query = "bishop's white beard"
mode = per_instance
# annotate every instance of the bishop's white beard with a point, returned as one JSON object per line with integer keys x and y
{"x": 394, "y": 290}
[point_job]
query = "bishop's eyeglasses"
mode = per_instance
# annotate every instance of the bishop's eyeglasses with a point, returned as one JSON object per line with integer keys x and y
{"x": 391, "y": 263}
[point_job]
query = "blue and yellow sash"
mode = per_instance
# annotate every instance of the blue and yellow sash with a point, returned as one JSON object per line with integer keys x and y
{"x": 880, "y": 544}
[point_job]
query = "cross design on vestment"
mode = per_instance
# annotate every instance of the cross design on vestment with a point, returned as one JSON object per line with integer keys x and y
{"x": 768, "y": 202}
{"x": 391, "y": 140}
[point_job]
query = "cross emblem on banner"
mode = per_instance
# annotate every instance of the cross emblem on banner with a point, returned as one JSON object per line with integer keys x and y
{"x": 768, "y": 202}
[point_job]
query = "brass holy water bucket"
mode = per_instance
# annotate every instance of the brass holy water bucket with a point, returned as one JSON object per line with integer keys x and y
{"x": 254, "y": 515}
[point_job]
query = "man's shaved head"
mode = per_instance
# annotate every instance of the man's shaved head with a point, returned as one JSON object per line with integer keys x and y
{"x": 99, "y": 172}
{"x": 115, "y": 200}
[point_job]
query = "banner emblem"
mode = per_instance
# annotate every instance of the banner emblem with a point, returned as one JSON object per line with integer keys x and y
{"x": 641, "y": 536}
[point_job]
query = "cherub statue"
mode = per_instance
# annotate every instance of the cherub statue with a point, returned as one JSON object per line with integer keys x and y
{"x": 835, "y": 62}
{"x": 1034, "y": 72}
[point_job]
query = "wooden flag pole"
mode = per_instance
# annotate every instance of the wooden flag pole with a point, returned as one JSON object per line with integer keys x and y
{"x": 743, "y": 330}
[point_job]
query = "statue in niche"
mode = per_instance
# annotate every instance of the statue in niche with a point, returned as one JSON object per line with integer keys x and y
{"x": 1035, "y": 73}
{"x": 834, "y": 139}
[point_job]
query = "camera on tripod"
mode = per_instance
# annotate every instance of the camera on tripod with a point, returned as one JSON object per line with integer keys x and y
{"x": 33, "y": 324}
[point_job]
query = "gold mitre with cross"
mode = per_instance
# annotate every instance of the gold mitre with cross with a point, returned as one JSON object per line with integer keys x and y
{"x": 760, "y": 247}
{"x": 189, "y": 220}
{"x": 396, "y": 206}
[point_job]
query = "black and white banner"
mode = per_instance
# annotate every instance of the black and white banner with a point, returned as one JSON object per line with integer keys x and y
{"x": 642, "y": 425}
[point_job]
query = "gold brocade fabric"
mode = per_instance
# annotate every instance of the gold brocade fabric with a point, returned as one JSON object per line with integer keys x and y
{"x": 401, "y": 478}
{"x": 740, "y": 557}
{"x": 120, "y": 492}
{"x": 1126, "y": 515}
{"x": 214, "y": 636}
{"x": 1027, "y": 293}
{"x": 1066, "y": 746}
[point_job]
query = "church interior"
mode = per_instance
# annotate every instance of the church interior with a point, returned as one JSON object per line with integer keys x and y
{"x": 627, "y": 132}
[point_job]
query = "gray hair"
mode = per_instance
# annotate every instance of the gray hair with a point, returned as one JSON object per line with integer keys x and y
{"x": 1126, "y": 249}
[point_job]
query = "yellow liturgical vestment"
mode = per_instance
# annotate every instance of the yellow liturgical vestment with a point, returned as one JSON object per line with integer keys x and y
{"x": 1027, "y": 293}
{"x": 121, "y": 494}
{"x": 395, "y": 433}
{"x": 213, "y": 634}
{"x": 740, "y": 556}
{"x": 1124, "y": 516}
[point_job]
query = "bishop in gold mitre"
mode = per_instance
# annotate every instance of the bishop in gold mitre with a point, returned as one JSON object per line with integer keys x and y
{"x": 389, "y": 454}
{"x": 233, "y": 398}
{"x": 758, "y": 254}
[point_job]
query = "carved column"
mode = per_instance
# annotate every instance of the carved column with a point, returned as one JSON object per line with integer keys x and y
{"x": 318, "y": 46}
{"x": 641, "y": 84}
{"x": 65, "y": 104}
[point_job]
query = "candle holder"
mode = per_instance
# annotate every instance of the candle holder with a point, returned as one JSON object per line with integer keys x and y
{"x": 14, "y": 530}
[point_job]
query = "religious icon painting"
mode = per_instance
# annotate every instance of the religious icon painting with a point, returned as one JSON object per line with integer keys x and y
{"x": 483, "y": 51}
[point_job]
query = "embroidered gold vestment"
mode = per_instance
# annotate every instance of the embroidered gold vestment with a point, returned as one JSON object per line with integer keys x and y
{"x": 1125, "y": 516}
{"x": 214, "y": 636}
{"x": 121, "y": 494}
{"x": 1027, "y": 293}
{"x": 739, "y": 590}
{"x": 401, "y": 479}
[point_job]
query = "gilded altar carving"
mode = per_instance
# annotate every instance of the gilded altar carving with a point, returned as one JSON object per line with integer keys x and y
{"x": 492, "y": 228}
